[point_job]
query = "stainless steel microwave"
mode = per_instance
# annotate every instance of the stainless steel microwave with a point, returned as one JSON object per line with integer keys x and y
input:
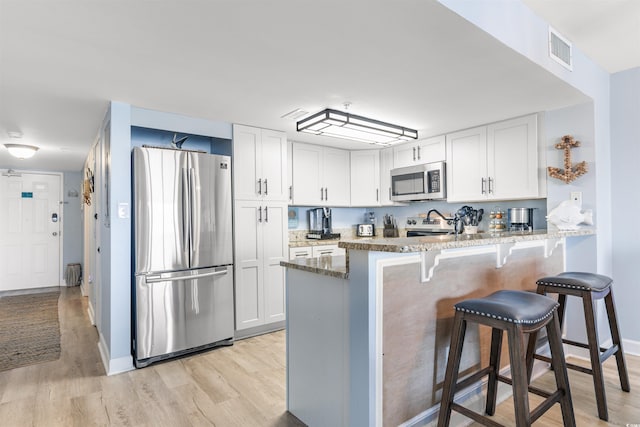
{"x": 420, "y": 182}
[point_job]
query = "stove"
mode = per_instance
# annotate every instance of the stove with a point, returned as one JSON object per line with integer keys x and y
{"x": 419, "y": 226}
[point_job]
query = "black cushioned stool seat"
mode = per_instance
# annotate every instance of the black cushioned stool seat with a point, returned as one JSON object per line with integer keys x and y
{"x": 590, "y": 287}
{"x": 518, "y": 313}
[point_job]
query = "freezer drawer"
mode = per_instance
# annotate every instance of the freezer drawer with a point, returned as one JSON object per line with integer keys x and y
{"x": 180, "y": 311}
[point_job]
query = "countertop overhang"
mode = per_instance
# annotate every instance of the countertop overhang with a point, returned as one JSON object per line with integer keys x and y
{"x": 338, "y": 266}
{"x": 450, "y": 241}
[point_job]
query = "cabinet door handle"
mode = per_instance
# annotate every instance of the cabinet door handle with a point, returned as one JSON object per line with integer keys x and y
{"x": 260, "y": 214}
{"x": 266, "y": 214}
{"x": 377, "y": 194}
{"x": 326, "y": 194}
{"x": 321, "y": 194}
{"x": 260, "y": 186}
{"x": 482, "y": 189}
{"x": 418, "y": 152}
{"x": 414, "y": 153}
{"x": 291, "y": 192}
{"x": 266, "y": 188}
{"x": 490, "y": 185}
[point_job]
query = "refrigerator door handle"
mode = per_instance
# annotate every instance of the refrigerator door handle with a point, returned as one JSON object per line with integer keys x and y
{"x": 157, "y": 278}
{"x": 186, "y": 210}
{"x": 194, "y": 210}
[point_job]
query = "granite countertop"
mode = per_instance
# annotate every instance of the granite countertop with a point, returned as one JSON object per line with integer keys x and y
{"x": 449, "y": 241}
{"x": 334, "y": 266}
{"x": 298, "y": 238}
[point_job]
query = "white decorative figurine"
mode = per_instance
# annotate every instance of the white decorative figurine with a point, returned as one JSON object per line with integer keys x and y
{"x": 567, "y": 216}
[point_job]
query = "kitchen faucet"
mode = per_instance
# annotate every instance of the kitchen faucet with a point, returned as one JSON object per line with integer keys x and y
{"x": 439, "y": 214}
{"x": 457, "y": 225}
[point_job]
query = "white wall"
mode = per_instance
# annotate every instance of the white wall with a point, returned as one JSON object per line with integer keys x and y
{"x": 625, "y": 149}
{"x": 113, "y": 293}
{"x": 72, "y": 244}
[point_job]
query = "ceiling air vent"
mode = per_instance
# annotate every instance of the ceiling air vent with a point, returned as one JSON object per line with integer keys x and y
{"x": 560, "y": 49}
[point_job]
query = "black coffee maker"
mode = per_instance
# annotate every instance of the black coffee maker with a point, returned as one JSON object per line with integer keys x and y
{"x": 320, "y": 224}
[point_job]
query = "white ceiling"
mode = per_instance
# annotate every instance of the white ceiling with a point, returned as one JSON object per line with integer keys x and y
{"x": 607, "y": 31}
{"x": 410, "y": 62}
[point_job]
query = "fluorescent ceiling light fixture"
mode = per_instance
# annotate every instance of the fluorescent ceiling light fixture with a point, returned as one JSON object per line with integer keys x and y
{"x": 21, "y": 151}
{"x": 339, "y": 124}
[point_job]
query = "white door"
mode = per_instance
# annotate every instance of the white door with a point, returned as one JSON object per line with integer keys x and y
{"x": 30, "y": 218}
{"x": 365, "y": 178}
{"x": 275, "y": 249}
{"x": 336, "y": 177}
{"x": 513, "y": 158}
{"x": 467, "y": 165}
{"x": 249, "y": 291}
{"x": 274, "y": 166}
{"x": 307, "y": 175}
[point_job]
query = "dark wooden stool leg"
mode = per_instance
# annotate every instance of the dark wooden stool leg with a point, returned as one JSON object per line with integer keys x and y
{"x": 531, "y": 351}
{"x": 494, "y": 363}
{"x": 519, "y": 375}
{"x": 560, "y": 370}
{"x": 615, "y": 338}
{"x": 562, "y": 300}
{"x": 453, "y": 365}
{"x": 594, "y": 353}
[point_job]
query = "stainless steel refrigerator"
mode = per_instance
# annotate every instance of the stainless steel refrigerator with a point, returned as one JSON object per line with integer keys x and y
{"x": 183, "y": 290}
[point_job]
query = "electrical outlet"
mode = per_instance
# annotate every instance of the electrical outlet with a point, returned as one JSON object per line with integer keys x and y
{"x": 576, "y": 197}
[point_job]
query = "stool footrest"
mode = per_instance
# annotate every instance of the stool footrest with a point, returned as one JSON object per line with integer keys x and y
{"x": 532, "y": 389}
{"x": 546, "y": 404}
{"x": 608, "y": 353}
{"x": 581, "y": 345}
{"x": 472, "y": 379}
{"x": 569, "y": 365}
{"x": 474, "y": 416}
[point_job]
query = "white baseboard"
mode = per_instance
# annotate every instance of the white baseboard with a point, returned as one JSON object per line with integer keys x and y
{"x": 113, "y": 366}
{"x": 91, "y": 313}
{"x": 631, "y": 347}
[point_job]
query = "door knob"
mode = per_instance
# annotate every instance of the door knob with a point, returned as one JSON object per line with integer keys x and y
{"x": 55, "y": 233}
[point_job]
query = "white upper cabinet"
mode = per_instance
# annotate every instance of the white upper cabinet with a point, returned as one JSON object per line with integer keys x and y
{"x": 260, "y": 164}
{"x": 423, "y": 151}
{"x": 386, "y": 164}
{"x": 320, "y": 176}
{"x": 365, "y": 178}
{"x": 494, "y": 162}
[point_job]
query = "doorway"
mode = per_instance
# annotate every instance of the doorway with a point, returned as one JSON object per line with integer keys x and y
{"x": 30, "y": 225}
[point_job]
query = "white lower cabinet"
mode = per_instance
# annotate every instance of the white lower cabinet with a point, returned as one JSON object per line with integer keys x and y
{"x": 261, "y": 242}
{"x": 300, "y": 252}
{"x": 315, "y": 251}
{"x": 326, "y": 250}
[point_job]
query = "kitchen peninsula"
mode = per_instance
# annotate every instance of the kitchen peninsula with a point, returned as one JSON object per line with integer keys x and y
{"x": 368, "y": 333}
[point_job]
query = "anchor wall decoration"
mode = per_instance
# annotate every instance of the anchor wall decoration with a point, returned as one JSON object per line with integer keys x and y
{"x": 569, "y": 174}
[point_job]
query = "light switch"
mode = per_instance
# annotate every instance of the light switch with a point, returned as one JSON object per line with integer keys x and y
{"x": 123, "y": 210}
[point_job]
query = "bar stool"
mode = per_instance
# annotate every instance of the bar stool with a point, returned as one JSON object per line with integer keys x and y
{"x": 518, "y": 313}
{"x": 590, "y": 287}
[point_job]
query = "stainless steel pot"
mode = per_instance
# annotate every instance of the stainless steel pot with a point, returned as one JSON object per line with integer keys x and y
{"x": 521, "y": 216}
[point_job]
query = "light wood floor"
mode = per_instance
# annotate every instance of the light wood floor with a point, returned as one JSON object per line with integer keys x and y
{"x": 241, "y": 385}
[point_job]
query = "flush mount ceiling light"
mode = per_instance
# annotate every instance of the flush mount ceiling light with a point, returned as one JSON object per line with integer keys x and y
{"x": 340, "y": 124}
{"x": 21, "y": 151}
